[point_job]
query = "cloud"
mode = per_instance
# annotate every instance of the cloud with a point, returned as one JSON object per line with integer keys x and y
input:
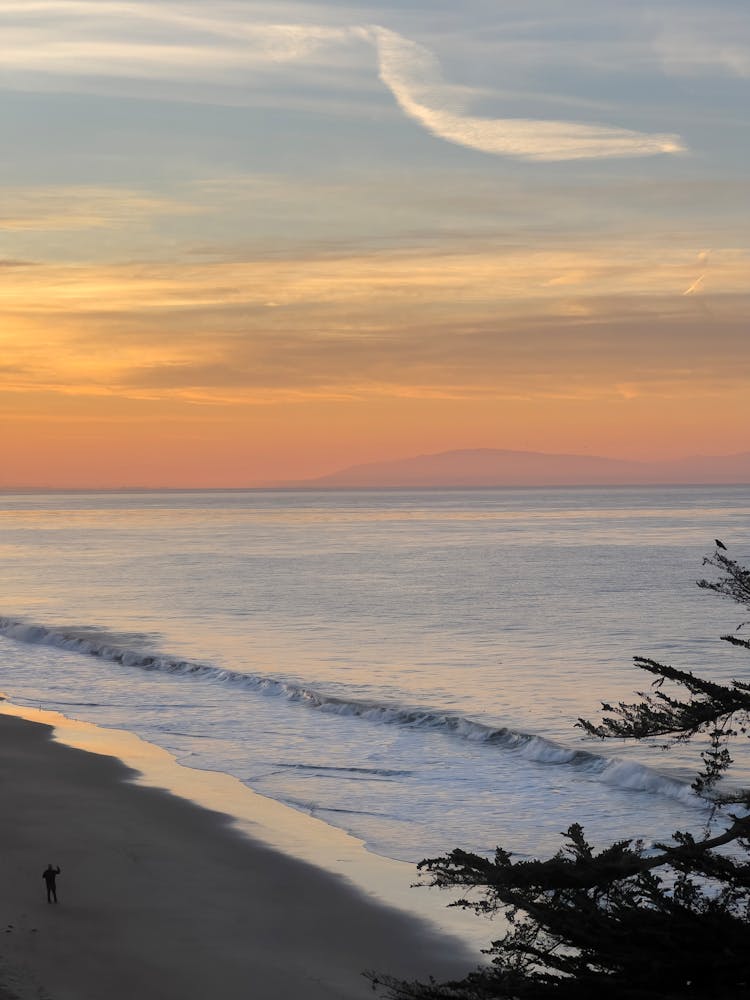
{"x": 79, "y": 206}
{"x": 536, "y": 356}
{"x": 706, "y": 44}
{"x": 478, "y": 323}
{"x": 695, "y": 286}
{"x": 135, "y": 41}
{"x": 348, "y": 288}
{"x": 83, "y": 39}
{"x": 412, "y": 74}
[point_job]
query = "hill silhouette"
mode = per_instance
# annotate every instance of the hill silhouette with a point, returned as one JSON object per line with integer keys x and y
{"x": 478, "y": 467}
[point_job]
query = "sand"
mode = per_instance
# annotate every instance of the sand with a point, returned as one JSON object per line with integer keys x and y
{"x": 161, "y": 898}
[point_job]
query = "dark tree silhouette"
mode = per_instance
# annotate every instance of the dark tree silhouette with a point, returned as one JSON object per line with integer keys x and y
{"x": 623, "y": 923}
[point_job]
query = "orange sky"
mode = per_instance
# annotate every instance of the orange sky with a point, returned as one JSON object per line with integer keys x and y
{"x": 240, "y": 373}
{"x": 233, "y": 257}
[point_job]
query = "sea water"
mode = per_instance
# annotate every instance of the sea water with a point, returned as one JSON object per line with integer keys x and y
{"x": 407, "y": 665}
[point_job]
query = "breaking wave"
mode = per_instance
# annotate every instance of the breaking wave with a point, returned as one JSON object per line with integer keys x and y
{"x": 610, "y": 770}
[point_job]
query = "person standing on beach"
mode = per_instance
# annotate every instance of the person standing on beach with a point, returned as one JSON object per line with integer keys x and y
{"x": 50, "y": 875}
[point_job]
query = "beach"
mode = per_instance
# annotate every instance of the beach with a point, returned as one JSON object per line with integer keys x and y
{"x": 162, "y": 898}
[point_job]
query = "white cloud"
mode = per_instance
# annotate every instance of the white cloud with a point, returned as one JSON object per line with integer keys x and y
{"x": 412, "y": 74}
{"x": 78, "y": 39}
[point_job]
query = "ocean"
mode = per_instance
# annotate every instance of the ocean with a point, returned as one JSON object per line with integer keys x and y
{"x": 406, "y": 665}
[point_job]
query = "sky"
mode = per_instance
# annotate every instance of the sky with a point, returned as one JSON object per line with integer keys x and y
{"x": 246, "y": 242}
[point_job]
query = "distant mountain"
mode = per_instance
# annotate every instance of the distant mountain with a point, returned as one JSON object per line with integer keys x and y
{"x": 710, "y": 469}
{"x": 476, "y": 467}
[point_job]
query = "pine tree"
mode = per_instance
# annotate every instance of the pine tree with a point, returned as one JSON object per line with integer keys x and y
{"x": 624, "y": 923}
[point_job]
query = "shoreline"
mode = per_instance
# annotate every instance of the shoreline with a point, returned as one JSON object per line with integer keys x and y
{"x": 166, "y": 893}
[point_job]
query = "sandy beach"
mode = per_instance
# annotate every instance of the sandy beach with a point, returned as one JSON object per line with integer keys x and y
{"x": 161, "y": 898}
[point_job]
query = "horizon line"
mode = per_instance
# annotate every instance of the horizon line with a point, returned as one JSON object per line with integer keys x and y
{"x": 271, "y": 488}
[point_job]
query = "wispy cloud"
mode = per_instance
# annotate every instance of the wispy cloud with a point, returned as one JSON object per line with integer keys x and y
{"x": 75, "y": 206}
{"x": 705, "y": 43}
{"x": 445, "y": 324}
{"x": 75, "y": 39}
{"x": 695, "y": 286}
{"x": 371, "y": 285}
{"x": 412, "y": 73}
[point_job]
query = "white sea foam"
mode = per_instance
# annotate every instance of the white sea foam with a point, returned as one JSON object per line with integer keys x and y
{"x": 612, "y": 771}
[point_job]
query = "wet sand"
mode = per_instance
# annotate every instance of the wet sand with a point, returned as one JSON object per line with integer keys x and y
{"x": 161, "y": 898}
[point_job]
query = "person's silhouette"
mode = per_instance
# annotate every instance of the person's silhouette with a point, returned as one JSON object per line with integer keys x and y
{"x": 50, "y": 875}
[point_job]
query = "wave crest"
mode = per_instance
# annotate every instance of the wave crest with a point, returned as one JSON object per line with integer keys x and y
{"x": 611, "y": 770}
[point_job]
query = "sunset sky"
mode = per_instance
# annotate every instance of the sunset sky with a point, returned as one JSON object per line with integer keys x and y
{"x": 246, "y": 242}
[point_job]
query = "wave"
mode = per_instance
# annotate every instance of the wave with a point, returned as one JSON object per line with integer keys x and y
{"x": 377, "y": 771}
{"x": 611, "y": 770}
